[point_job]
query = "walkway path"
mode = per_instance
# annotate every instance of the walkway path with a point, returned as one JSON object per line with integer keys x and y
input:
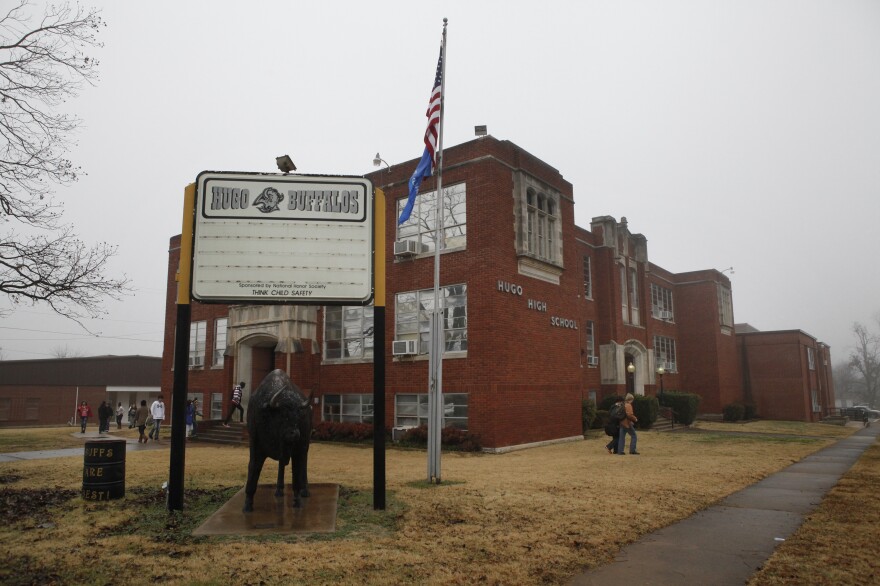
{"x": 729, "y": 542}
{"x": 131, "y": 445}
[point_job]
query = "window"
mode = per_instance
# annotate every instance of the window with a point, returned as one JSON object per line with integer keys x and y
{"x": 661, "y": 302}
{"x": 541, "y": 214}
{"x": 623, "y": 296}
{"x": 634, "y": 296}
{"x": 197, "y": 344}
{"x": 811, "y": 358}
{"x": 725, "y": 306}
{"x": 219, "y": 341}
{"x": 348, "y": 332}
{"x": 412, "y": 410}
{"x": 588, "y": 279}
{"x": 664, "y": 353}
{"x": 348, "y": 408}
{"x": 592, "y": 359}
{"x": 412, "y": 319}
{"x": 32, "y": 409}
{"x": 216, "y": 405}
{"x": 423, "y": 221}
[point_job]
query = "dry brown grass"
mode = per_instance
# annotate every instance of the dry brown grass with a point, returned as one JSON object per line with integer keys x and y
{"x": 527, "y": 517}
{"x": 837, "y": 544}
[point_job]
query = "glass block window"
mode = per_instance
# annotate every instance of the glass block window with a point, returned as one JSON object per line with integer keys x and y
{"x": 422, "y": 223}
{"x": 411, "y": 410}
{"x": 197, "y": 331}
{"x": 216, "y": 405}
{"x": 412, "y": 317}
{"x": 219, "y": 340}
{"x": 588, "y": 279}
{"x": 348, "y": 332}
{"x": 664, "y": 353}
{"x": 661, "y": 302}
{"x": 354, "y": 408}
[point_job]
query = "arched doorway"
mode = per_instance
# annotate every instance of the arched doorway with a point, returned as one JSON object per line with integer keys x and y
{"x": 630, "y": 370}
{"x": 636, "y": 367}
{"x": 255, "y": 358}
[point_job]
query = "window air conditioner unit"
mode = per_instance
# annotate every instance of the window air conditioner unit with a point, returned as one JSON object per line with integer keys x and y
{"x": 407, "y": 248}
{"x": 593, "y": 360}
{"x": 404, "y": 347}
{"x": 665, "y": 315}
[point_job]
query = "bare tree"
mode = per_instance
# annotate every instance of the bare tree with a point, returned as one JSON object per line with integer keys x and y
{"x": 846, "y": 383}
{"x": 865, "y": 361}
{"x": 66, "y": 352}
{"x": 42, "y": 64}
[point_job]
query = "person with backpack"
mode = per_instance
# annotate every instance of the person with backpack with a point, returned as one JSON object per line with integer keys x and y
{"x": 627, "y": 426}
{"x": 612, "y": 428}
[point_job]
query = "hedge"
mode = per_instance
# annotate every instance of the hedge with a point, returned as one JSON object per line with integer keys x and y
{"x": 684, "y": 405}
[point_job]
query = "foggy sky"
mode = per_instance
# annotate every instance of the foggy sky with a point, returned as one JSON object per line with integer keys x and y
{"x": 739, "y": 134}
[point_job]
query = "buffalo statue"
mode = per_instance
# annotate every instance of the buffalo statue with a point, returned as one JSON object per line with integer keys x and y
{"x": 279, "y": 421}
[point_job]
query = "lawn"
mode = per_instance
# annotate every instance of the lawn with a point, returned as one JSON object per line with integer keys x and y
{"x": 535, "y": 516}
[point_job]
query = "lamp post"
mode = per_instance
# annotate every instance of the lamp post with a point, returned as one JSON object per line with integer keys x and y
{"x": 630, "y": 379}
{"x": 660, "y": 372}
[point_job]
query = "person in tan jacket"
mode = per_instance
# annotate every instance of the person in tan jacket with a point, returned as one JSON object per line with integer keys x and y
{"x": 627, "y": 426}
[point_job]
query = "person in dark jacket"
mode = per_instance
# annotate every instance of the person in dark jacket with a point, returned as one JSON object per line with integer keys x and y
{"x": 105, "y": 412}
{"x": 612, "y": 428}
{"x": 140, "y": 420}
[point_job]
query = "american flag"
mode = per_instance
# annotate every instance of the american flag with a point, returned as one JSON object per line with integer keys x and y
{"x": 429, "y": 157}
{"x": 433, "y": 112}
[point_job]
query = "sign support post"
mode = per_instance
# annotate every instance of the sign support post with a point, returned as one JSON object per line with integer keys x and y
{"x": 181, "y": 356}
{"x": 379, "y": 353}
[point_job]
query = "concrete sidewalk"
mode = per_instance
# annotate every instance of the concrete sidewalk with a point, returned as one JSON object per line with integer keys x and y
{"x": 727, "y": 543}
{"x": 131, "y": 445}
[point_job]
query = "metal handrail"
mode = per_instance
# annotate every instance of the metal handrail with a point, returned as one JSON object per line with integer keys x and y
{"x": 669, "y": 413}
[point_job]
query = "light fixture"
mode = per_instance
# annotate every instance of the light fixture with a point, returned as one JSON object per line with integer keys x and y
{"x": 285, "y": 164}
{"x": 727, "y": 269}
{"x": 661, "y": 371}
{"x": 377, "y": 160}
{"x": 630, "y": 368}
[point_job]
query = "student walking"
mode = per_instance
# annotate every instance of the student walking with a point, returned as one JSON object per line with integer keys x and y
{"x": 157, "y": 410}
{"x": 236, "y": 404}
{"x": 105, "y": 412}
{"x": 84, "y": 412}
{"x": 612, "y": 428}
{"x": 120, "y": 412}
{"x": 627, "y": 426}
{"x": 140, "y": 420}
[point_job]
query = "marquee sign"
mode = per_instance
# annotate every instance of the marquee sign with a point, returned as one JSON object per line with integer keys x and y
{"x": 265, "y": 238}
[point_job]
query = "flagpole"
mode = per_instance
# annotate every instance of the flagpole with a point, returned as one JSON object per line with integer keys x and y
{"x": 438, "y": 342}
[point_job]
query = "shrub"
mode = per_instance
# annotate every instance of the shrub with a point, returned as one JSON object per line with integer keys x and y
{"x": 341, "y": 431}
{"x": 734, "y": 412}
{"x": 751, "y": 411}
{"x": 588, "y": 414}
{"x": 645, "y": 409}
{"x": 684, "y": 405}
{"x": 606, "y": 403}
{"x": 450, "y": 437}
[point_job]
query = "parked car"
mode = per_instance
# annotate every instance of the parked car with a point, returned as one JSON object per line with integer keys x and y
{"x": 872, "y": 413}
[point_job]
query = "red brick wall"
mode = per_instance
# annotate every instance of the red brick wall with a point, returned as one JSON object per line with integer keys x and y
{"x": 525, "y": 377}
{"x": 778, "y": 376}
{"x": 56, "y": 403}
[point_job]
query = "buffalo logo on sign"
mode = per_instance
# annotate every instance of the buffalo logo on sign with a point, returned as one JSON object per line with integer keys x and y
{"x": 268, "y": 200}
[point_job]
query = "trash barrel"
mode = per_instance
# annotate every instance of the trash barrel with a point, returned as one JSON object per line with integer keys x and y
{"x": 104, "y": 470}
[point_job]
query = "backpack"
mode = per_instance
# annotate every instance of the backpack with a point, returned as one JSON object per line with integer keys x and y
{"x": 617, "y": 413}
